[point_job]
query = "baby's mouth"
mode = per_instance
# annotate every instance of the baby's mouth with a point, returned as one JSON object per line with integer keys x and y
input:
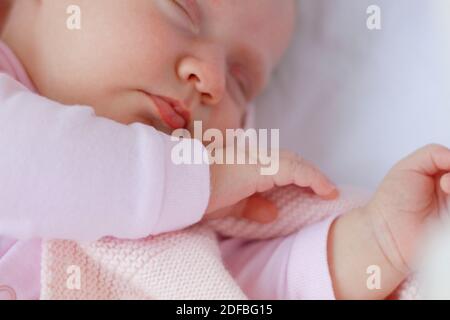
{"x": 172, "y": 112}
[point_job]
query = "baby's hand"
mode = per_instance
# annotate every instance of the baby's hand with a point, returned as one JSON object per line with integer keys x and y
{"x": 235, "y": 187}
{"x": 417, "y": 188}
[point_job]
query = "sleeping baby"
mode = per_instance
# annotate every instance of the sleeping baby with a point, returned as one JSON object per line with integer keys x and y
{"x": 86, "y": 117}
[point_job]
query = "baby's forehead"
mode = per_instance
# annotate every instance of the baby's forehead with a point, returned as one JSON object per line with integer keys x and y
{"x": 255, "y": 12}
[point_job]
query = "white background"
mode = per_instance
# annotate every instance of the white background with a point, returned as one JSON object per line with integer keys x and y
{"x": 355, "y": 101}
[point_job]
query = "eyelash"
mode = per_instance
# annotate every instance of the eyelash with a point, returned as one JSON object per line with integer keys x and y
{"x": 182, "y": 8}
{"x": 241, "y": 86}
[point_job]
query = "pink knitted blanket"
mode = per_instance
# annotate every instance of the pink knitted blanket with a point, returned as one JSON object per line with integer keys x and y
{"x": 180, "y": 265}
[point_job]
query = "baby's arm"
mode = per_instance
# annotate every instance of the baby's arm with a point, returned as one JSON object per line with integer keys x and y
{"x": 353, "y": 251}
{"x": 293, "y": 267}
{"x": 327, "y": 260}
{"x": 65, "y": 173}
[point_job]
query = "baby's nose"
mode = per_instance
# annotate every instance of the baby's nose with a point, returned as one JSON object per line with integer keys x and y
{"x": 208, "y": 78}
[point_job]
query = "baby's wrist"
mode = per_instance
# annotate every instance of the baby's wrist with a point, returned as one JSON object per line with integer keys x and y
{"x": 384, "y": 238}
{"x": 354, "y": 251}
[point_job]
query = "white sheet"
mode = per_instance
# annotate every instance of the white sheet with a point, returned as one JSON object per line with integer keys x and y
{"x": 355, "y": 101}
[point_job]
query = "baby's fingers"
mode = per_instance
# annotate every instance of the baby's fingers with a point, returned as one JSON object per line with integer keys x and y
{"x": 429, "y": 160}
{"x": 309, "y": 176}
{"x": 259, "y": 209}
{"x": 295, "y": 170}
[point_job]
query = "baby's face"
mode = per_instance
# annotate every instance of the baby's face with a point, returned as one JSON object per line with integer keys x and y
{"x": 213, "y": 56}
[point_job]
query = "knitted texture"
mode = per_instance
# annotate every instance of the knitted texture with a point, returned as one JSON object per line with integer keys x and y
{"x": 181, "y": 265}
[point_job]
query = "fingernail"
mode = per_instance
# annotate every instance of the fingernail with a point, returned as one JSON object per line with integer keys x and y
{"x": 334, "y": 194}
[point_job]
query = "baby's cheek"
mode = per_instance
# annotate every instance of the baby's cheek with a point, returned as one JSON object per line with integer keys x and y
{"x": 231, "y": 117}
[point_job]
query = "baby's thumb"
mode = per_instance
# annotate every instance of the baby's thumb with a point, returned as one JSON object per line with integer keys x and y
{"x": 258, "y": 209}
{"x": 445, "y": 183}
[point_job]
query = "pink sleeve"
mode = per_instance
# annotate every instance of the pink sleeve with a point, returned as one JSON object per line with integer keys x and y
{"x": 289, "y": 268}
{"x": 67, "y": 174}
